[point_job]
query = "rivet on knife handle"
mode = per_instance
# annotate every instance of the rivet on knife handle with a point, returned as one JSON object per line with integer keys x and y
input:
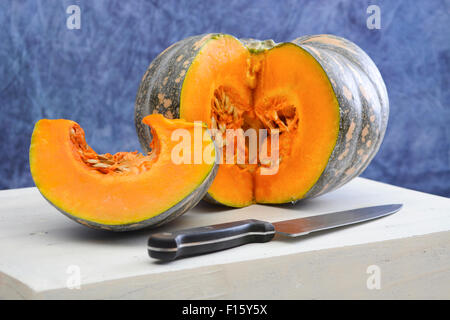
{"x": 171, "y": 245}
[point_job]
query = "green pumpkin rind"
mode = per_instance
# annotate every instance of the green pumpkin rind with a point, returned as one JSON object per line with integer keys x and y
{"x": 355, "y": 79}
{"x": 364, "y": 108}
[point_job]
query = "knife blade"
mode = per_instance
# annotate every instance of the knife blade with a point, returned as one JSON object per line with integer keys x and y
{"x": 168, "y": 246}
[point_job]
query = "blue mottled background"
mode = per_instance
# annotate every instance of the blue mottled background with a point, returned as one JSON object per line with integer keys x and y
{"x": 91, "y": 75}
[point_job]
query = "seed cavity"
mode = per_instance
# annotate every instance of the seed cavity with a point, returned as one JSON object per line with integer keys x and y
{"x": 119, "y": 163}
{"x": 275, "y": 113}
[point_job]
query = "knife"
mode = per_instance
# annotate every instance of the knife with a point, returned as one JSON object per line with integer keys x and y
{"x": 168, "y": 246}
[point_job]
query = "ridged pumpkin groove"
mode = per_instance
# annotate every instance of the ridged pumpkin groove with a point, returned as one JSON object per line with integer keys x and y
{"x": 322, "y": 92}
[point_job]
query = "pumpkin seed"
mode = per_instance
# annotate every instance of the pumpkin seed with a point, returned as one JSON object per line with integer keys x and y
{"x": 275, "y": 115}
{"x": 108, "y": 162}
{"x": 222, "y": 98}
{"x": 92, "y": 160}
{"x": 101, "y": 157}
{"x": 101, "y": 165}
{"x": 235, "y": 113}
{"x": 216, "y": 103}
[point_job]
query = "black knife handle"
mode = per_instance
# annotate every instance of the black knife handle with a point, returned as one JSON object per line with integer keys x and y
{"x": 171, "y": 245}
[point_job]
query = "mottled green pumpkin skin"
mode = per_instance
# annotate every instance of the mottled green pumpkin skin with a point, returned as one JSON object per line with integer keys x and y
{"x": 363, "y": 103}
{"x": 160, "y": 88}
{"x": 355, "y": 79}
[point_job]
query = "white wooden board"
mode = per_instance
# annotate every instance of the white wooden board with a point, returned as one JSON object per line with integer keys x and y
{"x": 41, "y": 252}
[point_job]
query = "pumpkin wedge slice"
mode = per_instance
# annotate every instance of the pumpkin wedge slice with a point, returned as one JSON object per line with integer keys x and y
{"x": 127, "y": 190}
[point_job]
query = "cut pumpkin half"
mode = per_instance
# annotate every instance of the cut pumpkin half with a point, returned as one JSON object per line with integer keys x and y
{"x": 320, "y": 100}
{"x": 126, "y": 190}
{"x": 282, "y": 89}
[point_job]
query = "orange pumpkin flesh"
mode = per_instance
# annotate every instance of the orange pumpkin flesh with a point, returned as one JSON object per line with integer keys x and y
{"x": 124, "y": 189}
{"x": 282, "y": 88}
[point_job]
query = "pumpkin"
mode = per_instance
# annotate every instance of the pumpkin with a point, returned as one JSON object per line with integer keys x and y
{"x": 127, "y": 190}
{"x": 322, "y": 94}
